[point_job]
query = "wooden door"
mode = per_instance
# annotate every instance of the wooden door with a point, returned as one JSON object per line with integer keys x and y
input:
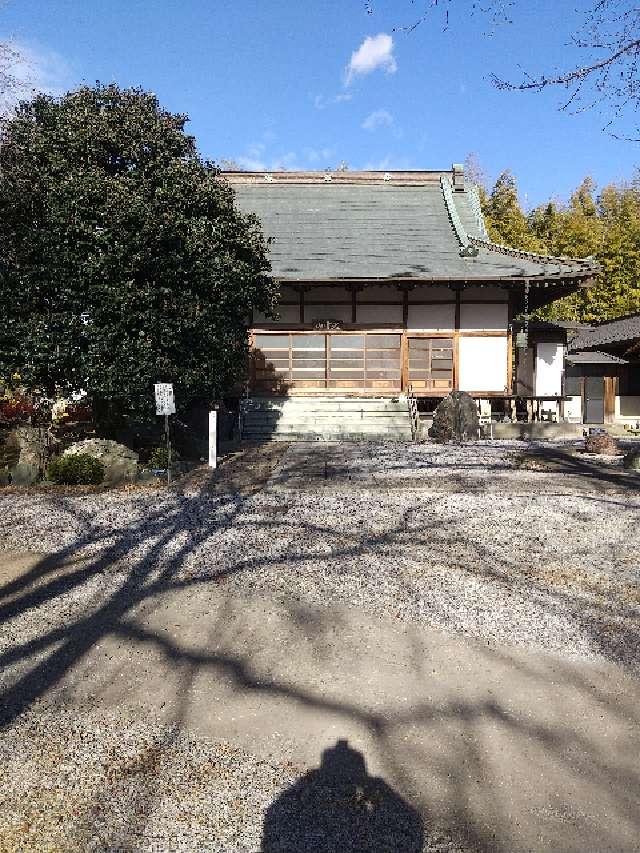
{"x": 594, "y": 399}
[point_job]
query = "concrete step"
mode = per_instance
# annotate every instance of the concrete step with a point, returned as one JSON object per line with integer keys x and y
{"x": 329, "y": 407}
{"x": 332, "y": 436}
{"x": 334, "y": 418}
{"x": 325, "y": 417}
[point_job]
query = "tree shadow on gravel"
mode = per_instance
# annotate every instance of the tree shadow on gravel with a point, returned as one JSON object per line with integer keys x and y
{"x": 339, "y": 806}
{"x": 149, "y": 558}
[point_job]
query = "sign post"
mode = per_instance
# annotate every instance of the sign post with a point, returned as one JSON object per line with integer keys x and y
{"x": 165, "y": 405}
{"x": 213, "y": 439}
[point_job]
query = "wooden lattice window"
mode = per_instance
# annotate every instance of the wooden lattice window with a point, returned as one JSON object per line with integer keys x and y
{"x": 431, "y": 364}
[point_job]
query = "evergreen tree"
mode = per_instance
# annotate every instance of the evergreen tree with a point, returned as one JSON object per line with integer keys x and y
{"x": 505, "y": 220}
{"x": 124, "y": 261}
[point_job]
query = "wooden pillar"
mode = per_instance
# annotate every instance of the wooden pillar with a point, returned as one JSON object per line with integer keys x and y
{"x": 609, "y": 399}
{"x": 510, "y": 387}
{"x": 404, "y": 362}
{"x": 456, "y": 338}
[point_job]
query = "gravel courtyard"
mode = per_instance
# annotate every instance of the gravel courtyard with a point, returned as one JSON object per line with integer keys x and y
{"x": 323, "y": 647}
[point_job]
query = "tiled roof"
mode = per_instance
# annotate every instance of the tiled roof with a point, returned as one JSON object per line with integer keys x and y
{"x": 621, "y": 331}
{"x": 594, "y": 357}
{"x": 374, "y": 225}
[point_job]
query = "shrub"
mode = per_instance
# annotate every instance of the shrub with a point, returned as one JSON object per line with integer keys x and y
{"x": 159, "y": 458}
{"x": 76, "y": 469}
{"x": 602, "y": 444}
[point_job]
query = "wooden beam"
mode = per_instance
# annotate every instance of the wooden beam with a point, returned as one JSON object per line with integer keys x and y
{"x": 510, "y": 360}
{"x": 404, "y": 362}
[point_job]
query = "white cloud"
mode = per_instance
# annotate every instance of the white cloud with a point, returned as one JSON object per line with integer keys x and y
{"x": 31, "y": 69}
{"x": 320, "y": 102}
{"x": 376, "y": 119}
{"x": 374, "y": 52}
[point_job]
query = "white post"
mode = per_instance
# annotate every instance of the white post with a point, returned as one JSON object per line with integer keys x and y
{"x": 213, "y": 439}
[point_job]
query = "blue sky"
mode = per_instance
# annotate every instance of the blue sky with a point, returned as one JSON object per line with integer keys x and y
{"x": 273, "y": 83}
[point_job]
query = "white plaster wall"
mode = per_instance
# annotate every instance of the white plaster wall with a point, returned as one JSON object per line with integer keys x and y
{"x": 483, "y": 363}
{"x": 430, "y": 318}
{"x": 549, "y": 367}
{"x": 379, "y": 314}
{"x": 573, "y": 409}
{"x": 627, "y": 409}
{"x": 484, "y": 317}
{"x": 288, "y": 314}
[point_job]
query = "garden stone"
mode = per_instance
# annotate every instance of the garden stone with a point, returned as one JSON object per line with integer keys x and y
{"x": 455, "y": 418}
{"x": 120, "y": 463}
{"x": 25, "y": 474}
{"x": 33, "y": 442}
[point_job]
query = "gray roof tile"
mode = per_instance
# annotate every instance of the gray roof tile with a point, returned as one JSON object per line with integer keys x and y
{"x": 363, "y": 226}
{"x": 623, "y": 330}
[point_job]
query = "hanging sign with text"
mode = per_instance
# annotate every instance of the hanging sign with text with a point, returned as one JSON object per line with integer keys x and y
{"x": 165, "y": 404}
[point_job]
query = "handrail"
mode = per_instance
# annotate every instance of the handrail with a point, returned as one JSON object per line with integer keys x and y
{"x": 412, "y": 404}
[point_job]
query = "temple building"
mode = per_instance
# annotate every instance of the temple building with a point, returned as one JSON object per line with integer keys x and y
{"x": 390, "y": 284}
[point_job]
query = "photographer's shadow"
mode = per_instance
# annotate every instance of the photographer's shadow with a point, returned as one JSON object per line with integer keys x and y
{"x": 339, "y": 808}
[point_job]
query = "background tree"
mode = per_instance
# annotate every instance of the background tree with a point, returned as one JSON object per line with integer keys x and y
{"x": 604, "y": 226}
{"x": 505, "y": 220}
{"x": 604, "y": 73}
{"x": 124, "y": 261}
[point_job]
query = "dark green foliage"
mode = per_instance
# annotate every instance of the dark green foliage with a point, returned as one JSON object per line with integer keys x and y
{"x": 76, "y": 469}
{"x": 159, "y": 457}
{"x": 124, "y": 261}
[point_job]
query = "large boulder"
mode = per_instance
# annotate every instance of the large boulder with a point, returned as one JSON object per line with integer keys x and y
{"x": 455, "y": 418}
{"x": 631, "y": 461}
{"x": 120, "y": 463}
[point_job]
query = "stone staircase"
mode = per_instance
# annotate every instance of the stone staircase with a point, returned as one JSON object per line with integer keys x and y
{"x": 325, "y": 419}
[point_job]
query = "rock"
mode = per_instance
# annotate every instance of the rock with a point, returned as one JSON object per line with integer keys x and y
{"x": 5, "y": 477}
{"x": 33, "y": 443}
{"x": 455, "y": 418}
{"x": 631, "y": 461}
{"x": 120, "y": 463}
{"x": 25, "y": 474}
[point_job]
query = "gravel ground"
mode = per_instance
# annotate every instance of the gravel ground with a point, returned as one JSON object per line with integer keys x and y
{"x": 463, "y": 539}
